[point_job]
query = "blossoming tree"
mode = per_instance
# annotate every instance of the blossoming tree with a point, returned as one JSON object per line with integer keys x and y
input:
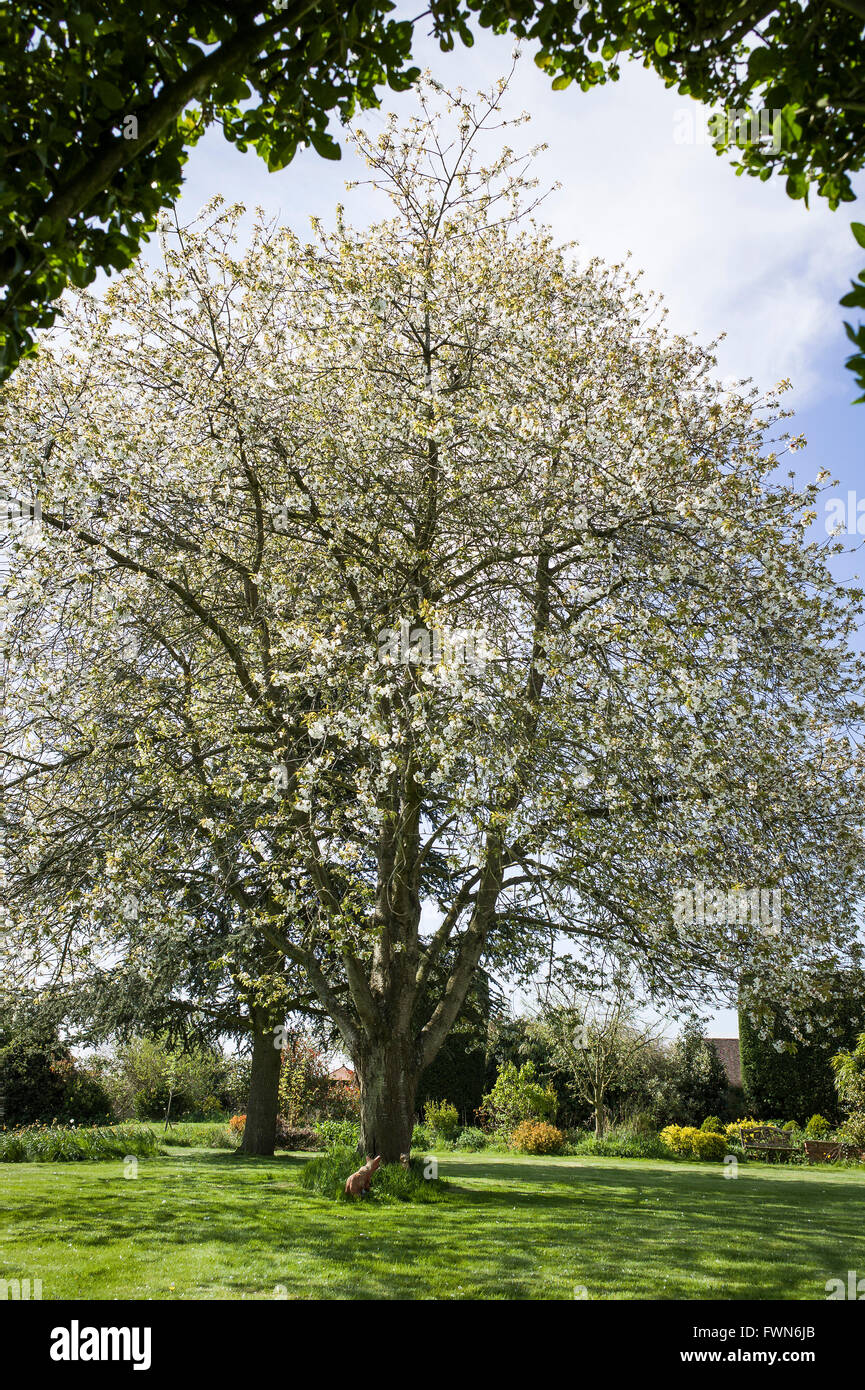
{"x": 425, "y": 603}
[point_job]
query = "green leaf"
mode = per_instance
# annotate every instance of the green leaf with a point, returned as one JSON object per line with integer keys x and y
{"x": 797, "y": 186}
{"x": 561, "y": 82}
{"x": 324, "y": 145}
{"x": 858, "y": 230}
{"x": 112, "y": 97}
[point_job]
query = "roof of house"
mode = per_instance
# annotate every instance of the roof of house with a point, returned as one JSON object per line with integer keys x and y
{"x": 728, "y": 1051}
{"x": 342, "y": 1074}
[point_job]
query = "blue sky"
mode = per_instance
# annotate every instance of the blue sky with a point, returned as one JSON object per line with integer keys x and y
{"x": 730, "y": 255}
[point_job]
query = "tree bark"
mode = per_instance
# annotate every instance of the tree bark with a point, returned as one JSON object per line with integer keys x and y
{"x": 259, "y": 1134}
{"x": 388, "y": 1075}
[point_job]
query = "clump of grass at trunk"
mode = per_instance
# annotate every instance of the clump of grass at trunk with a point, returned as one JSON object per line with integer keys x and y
{"x": 64, "y": 1144}
{"x": 327, "y": 1173}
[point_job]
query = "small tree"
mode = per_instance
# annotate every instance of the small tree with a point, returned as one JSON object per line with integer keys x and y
{"x": 303, "y": 1081}
{"x": 155, "y": 1080}
{"x": 692, "y": 1082}
{"x": 599, "y": 1040}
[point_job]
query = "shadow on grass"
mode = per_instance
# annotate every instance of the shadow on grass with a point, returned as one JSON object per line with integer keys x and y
{"x": 511, "y": 1229}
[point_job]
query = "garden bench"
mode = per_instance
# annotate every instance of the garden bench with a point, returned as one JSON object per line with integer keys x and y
{"x": 766, "y": 1139}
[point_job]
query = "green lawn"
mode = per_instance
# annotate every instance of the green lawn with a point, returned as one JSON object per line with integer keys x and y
{"x": 210, "y": 1224}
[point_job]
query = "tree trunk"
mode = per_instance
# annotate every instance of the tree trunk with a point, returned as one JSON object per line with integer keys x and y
{"x": 388, "y": 1076}
{"x": 259, "y": 1134}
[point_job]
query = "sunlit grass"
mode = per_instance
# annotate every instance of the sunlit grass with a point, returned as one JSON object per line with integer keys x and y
{"x": 209, "y": 1224}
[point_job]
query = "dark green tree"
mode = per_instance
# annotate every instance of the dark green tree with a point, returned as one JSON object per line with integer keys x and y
{"x": 33, "y": 1062}
{"x": 787, "y": 1073}
{"x": 691, "y": 1083}
{"x": 458, "y": 1073}
{"x": 40, "y": 1080}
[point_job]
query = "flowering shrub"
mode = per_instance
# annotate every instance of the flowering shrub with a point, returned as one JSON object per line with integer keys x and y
{"x": 537, "y": 1137}
{"x": 853, "y": 1130}
{"x": 237, "y": 1124}
{"x": 739, "y": 1127}
{"x": 849, "y": 1069}
{"x": 687, "y": 1142}
{"x": 303, "y": 1080}
{"x": 341, "y": 1103}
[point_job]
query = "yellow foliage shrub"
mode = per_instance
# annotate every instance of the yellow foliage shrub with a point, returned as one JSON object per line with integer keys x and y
{"x": 687, "y": 1142}
{"x": 536, "y": 1137}
{"x": 732, "y": 1131}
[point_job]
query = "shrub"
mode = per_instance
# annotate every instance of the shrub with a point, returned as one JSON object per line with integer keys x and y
{"x": 421, "y": 1138}
{"x": 853, "y": 1129}
{"x": 687, "y": 1142}
{"x": 326, "y": 1175}
{"x": 441, "y": 1119}
{"x": 712, "y": 1125}
{"x": 471, "y": 1140}
{"x": 41, "y": 1081}
{"x": 151, "y": 1102}
{"x": 790, "y": 1126}
{"x": 849, "y": 1069}
{"x": 537, "y": 1137}
{"x": 690, "y": 1080}
{"x": 64, "y": 1144}
{"x": 33, "y": 1063}
{"x": 296, "y": 1137}
{"x": 303, "y": 1080}
{"x": 516, "y": 1096}
{"x": 86, "y": 1100}
{"x": 237, "y": 1124}
{"x": 746, "y": 1126}
{"x": 147, "y": 1070}
{"x": 338, "y": 1134}
{"x": 341, "y": 1102}
{"x": 818, "y": 1127}
{"x": 458, "y": 1072}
